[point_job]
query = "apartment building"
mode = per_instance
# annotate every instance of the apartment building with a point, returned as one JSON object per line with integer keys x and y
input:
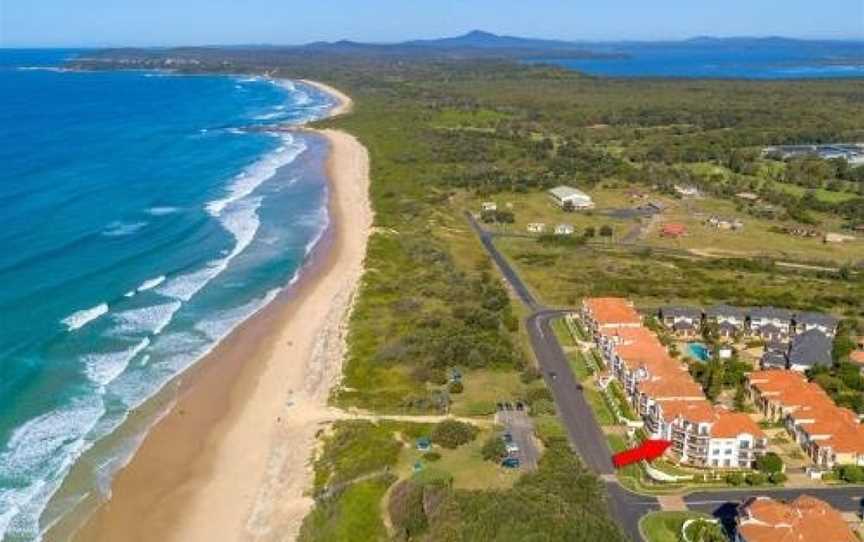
{"x": 664, "y": 394}
{"x": 830, "y": 435}
{"x": 763, "y": 519}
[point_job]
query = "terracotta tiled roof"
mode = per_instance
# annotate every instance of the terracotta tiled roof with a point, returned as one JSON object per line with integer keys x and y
{"x": 857, "y": 357}
{"x": 612, "y": 310}
{"x": 762, "y": 519}
{"x": 695, "y": 411}
{"x": 732, "y": 424}
{"x": 809, "y": 406}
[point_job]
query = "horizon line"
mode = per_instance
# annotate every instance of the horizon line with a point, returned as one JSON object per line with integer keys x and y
{"x": 605, "y": 41}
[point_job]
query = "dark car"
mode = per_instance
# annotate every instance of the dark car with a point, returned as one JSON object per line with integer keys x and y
{"x": 510, "y": 463}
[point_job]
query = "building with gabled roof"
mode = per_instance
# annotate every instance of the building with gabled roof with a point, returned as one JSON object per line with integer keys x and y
{"x": 763, "y": 519}
{"x": 829, "y": 434}
{"x": 562, "y": 195}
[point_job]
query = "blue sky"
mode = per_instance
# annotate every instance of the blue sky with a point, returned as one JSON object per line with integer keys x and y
{"x": 190, "y": 22}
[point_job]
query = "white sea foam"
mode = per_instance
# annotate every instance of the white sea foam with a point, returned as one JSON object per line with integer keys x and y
{"x": 42, "y": 450}
{"x": 101, "y": 369}
{"x": 247, "y": 181}
{"x": 81, "y": 318}
{"x": 54, "y": 69}
{"x": 151, "y": 320}
{"x": 121, "y": 229}
{"x": 219, "y": 327}
{"x": 149, "y": 284}
{"x": 161, "y": 211}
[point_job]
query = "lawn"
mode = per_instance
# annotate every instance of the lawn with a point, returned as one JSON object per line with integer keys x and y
{"x": 665, "y": 526}
{"x": 465, "y": 464}
{"x": 602, "y": 414}
{"x": 483, "y": 389}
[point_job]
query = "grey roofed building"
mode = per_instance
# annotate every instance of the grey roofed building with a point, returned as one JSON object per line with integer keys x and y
{"x": 816, "y": 319}
{"x": 684, "y": 328}
{"x": 773, "y": 359}
{"x": 771, "y": 331}
{"x": 725, "y": 311}
{"x": 769, "y": 313}
{"x": 809, "y": 349}
{"x": 727, "y": 329}
{"x": 691, "y": 313}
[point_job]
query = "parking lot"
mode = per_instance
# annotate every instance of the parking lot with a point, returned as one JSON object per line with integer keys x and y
{"x": 517, "y": 423}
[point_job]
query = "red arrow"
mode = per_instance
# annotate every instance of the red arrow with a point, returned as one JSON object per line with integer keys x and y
{"x": 648, "y": 450}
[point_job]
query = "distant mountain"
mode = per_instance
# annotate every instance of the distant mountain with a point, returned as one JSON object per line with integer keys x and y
{"x": 486, "y": 40}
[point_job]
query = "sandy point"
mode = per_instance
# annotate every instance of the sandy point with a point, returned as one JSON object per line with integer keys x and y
{"x": 232, "y": 460}
{"x": 344, "y": 103}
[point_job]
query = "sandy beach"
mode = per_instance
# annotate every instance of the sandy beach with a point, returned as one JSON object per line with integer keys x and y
{"x": 344, "y": 105}
{"x": 231, "y": 461}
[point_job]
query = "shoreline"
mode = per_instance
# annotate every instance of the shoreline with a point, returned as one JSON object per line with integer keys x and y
{"x": 232, "y": 458}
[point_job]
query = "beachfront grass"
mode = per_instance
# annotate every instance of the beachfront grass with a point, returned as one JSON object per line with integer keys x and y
{"x": 354, "y": 449}
{"x": 354, "y": 515}
{"x": 666, "y": 526}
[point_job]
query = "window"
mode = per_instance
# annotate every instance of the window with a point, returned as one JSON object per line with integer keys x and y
{"x": 715, "y": 451}
{"x": 714, "y": 462}
{"x": 743, "y": 444}
{"x": 727, "y": 463}
{"x": 727, "y": 451}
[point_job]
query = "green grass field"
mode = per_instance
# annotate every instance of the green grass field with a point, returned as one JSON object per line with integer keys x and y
{"x": 665, "y": 526}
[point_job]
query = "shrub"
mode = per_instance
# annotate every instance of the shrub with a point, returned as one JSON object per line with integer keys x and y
{"x": 456, "y": 387}
{"x": 431, "y": 456}
{"x": 406, "y": 508}
{"x": 769, "y": 463}
{"x": 777, "y": 478}
{"x": 734, "y": 478}
{"x": 756, "y": 479}
{"x": 542, "y": 406}
{"x": 852, "y": 474}
{"x": 530, "y": 374}
{"x": 698, "y": 478}
{"x": 452, "y": 433}
{"x": 494, "y": 449}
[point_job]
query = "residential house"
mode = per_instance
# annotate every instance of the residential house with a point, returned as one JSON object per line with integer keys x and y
{"x": 838, "y": 238}
{"x": 825, "y": 323}
{"x": 770, "y": 323}
{"x": 809, "y": 349}
{"x": 775, "y": 356}
{"x": 673, "y": 230}
{"x": 687, "y": 191}
{"x": 562, "y": 195}
{"x": 747, "y": 196}
{"x": 763, "y": 519}
{"x": 536, "y": 227}
{"x": 729, "y": 320}
{"x": 830, "y": 435}
{"x": 683, "y": 321}
{"x": 725, "y": 223}
{"x": 564, "y": 229}
{"x": 488, "y": 206}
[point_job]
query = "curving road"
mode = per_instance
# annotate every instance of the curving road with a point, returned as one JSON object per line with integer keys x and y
{"x": 588, "y": 440}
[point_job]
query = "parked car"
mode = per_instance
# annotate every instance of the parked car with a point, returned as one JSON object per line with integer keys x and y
{"x": 510, "y": 463}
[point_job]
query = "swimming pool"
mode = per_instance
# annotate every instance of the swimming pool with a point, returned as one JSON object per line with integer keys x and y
{"x": 698, "y": 351}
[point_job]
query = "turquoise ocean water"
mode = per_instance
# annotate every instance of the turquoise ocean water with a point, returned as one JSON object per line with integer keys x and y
{"x": 139, "y": 224}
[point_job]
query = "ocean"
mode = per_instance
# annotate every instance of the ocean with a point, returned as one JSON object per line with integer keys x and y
{"x": 140, "y": 222}
{"x": 726, "y": 59}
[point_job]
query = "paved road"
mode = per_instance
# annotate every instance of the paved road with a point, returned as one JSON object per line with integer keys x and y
{"x": 585, "y": 435}
{"x": 510, "y": 275}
